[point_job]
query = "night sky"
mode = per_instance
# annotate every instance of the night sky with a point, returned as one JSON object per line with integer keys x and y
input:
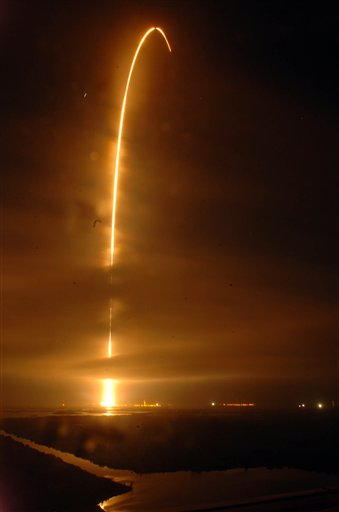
{"x": 225, "y": 275}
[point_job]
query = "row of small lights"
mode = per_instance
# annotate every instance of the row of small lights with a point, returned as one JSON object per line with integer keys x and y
{"x": 319, "y": 405}
{"x": 301, "y": 406}
{"x": 213, "y": 404}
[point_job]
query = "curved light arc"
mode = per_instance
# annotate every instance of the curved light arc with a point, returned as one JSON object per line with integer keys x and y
{"x": 121, "y": 124}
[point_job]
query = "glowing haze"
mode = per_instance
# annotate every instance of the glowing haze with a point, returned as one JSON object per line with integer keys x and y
{"x": 108, "y": 399}
{"x": 225, "y": 264}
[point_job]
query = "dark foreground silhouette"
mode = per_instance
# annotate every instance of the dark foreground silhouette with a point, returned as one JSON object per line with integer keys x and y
{"x": 193, "y": 440}
{"x": 35, "y": 482}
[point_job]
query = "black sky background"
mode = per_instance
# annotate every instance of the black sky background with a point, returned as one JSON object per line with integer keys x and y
{"x": 225, "y": 284}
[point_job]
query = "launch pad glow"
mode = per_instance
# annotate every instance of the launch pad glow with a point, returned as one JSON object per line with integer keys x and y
{"x": 108, "y": 398}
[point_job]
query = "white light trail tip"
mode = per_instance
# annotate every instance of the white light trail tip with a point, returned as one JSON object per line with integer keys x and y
{"x": 109, "y": 348}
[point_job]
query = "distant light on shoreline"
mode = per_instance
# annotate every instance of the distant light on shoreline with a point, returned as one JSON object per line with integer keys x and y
{"x": 240, "y": 404}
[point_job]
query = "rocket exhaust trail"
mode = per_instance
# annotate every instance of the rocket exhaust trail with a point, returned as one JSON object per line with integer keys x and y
{"x": 121, "y": 124}
{"x": 108, "y": 398}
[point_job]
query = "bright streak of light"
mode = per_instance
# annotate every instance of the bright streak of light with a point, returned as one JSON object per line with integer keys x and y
{"x": 122, "y": 116}
{"x": 109, "y": 384}
{"x": 108, "y": 399}
{"x": 109, "y": 348}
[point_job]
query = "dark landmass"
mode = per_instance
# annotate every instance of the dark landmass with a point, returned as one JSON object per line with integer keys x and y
{"x": 35, "y": 482}
{"x": 194, "y": 440}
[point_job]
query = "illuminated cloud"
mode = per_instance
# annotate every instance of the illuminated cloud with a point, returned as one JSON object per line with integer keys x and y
{"x": 225, "y": 261}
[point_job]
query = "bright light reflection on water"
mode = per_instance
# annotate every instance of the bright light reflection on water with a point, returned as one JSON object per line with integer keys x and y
{"x": 109, "y": 412}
